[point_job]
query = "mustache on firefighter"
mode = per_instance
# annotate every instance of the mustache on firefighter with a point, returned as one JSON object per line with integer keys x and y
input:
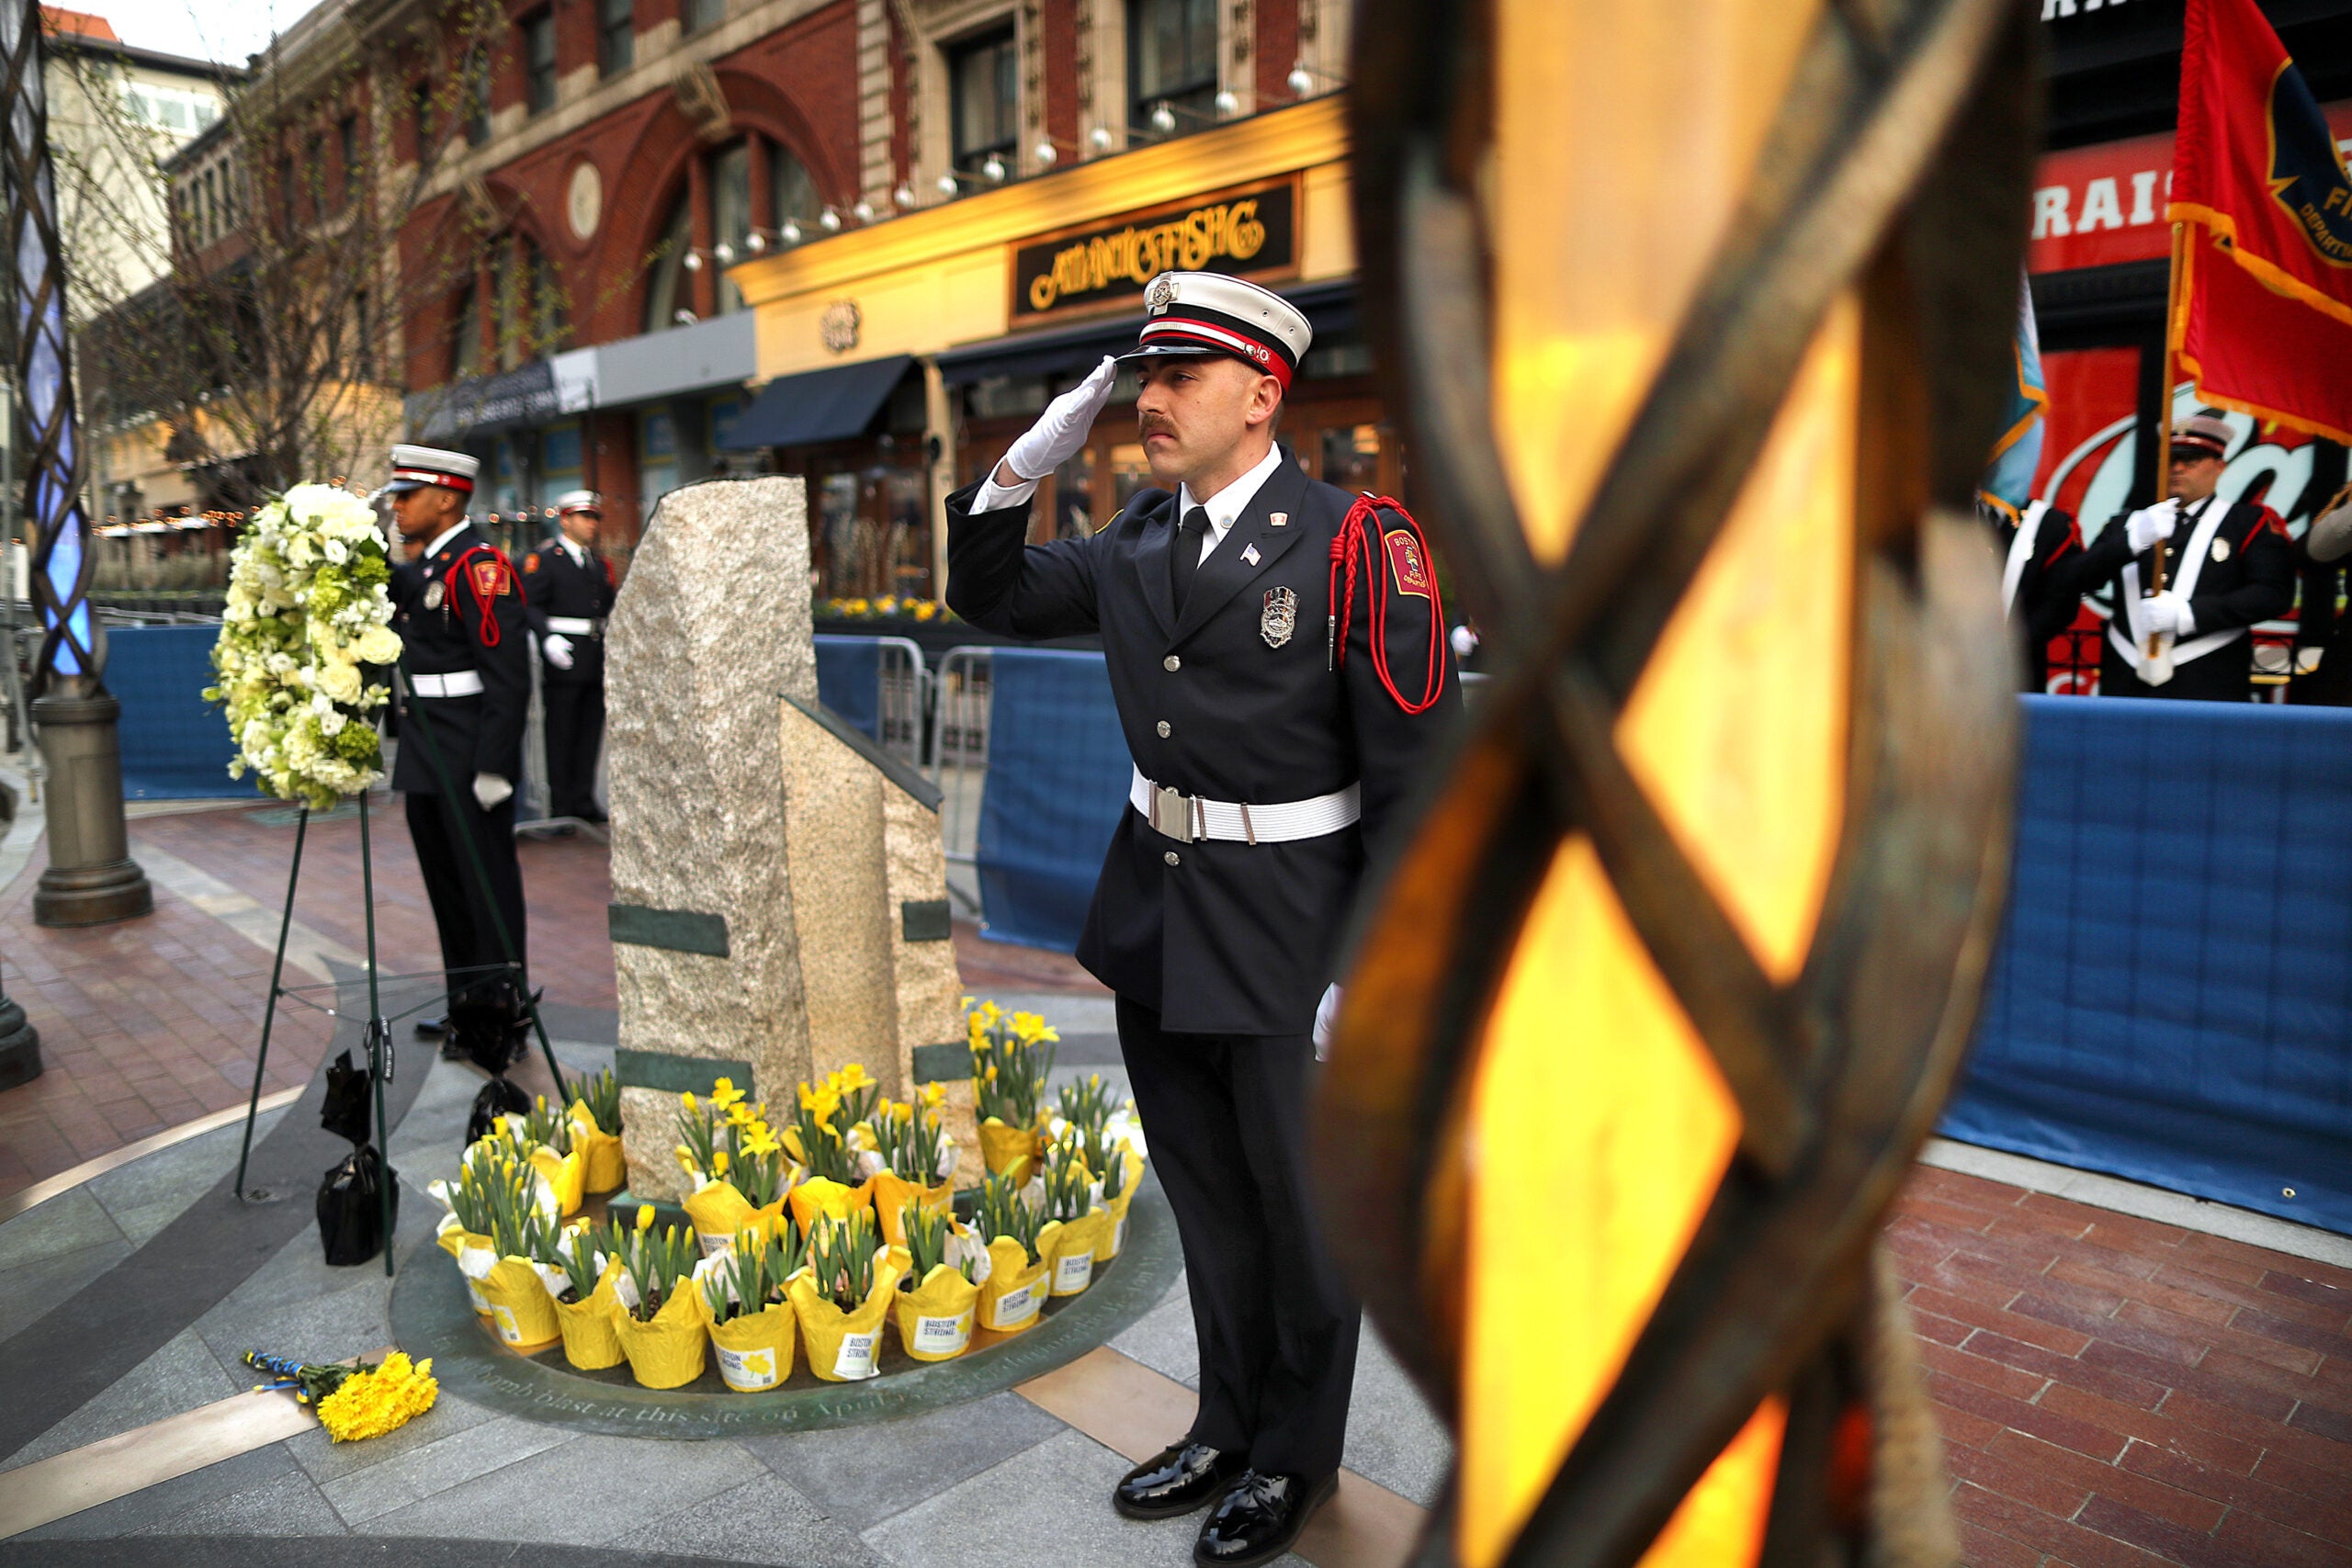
{"x": 1157, "y": 424}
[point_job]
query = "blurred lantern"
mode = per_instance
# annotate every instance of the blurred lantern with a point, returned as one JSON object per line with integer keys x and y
{"x": 1700, "y": 314}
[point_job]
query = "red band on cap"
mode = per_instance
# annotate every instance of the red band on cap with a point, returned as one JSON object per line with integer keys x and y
{"x": 1222, "y": 341}
{"x": 451, "y": 481}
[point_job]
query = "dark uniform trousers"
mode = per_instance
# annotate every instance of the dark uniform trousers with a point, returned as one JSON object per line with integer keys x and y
{"x": 2248, "y": 576}
{"x": 573, "y": 699}
{"x": 1220, "y": 951}
{"x": 475, "y": 624}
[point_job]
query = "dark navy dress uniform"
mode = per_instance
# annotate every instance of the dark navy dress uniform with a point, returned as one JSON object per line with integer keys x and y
{"x": 459, "y": 615}
{"x": 568, "y": 594}
{"x": 2043, "y": 574}
{"x": 1219, "y": 949}
{"x": 2239, "y": 570}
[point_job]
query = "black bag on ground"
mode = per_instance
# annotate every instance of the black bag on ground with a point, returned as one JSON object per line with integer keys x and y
{"x": 498, "y": 1098}
{"x": 349, "y": 1104}
{"x": 351, "y": 1219}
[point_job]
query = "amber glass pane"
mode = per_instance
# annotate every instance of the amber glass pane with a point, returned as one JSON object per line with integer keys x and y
{"x": 1737, "y": 728}
{"x": 1623, "y": 135}
{"x": 1602, "y": 1129}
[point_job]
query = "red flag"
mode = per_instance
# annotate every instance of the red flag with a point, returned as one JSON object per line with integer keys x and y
{"x": 2262, "y": 305}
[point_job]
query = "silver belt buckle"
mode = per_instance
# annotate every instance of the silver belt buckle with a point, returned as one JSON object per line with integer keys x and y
{"x": 1171, "y": 813}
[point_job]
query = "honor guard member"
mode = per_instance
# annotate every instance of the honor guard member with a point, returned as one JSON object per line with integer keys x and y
{"x": 1277, "y": 653}
{"x": 2041, "y": 577}
{"x": 458, "y": 611}
{"x": 2225, "y": 567}
{"x": 568, "y": 592}
{"x": 2323, "y": 649}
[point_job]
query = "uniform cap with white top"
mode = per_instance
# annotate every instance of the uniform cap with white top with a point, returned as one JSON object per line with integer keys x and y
{"x": 580, "y": 501}
{"x": 1206, "y": 312}
{"x": 413, "y": 467}
{"x": 2204, "y": 434}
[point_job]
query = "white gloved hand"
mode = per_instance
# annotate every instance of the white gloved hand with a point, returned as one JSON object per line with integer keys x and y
{"x": 2148, "y": 524}
{"x": 558, "y": 650}
{"x": 2167, "y": 613}
{"x": 490, "y": 790}
{"x": 1060, "y": 431}
{"x": 1327, "y": 1020}
{"x": 2307, "y": 659}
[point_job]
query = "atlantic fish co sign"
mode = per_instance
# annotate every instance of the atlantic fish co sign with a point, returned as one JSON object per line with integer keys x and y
{"x": 1251, "y": 231}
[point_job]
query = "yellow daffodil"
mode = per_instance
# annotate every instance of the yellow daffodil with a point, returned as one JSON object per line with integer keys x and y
{"x": 723, "y": 1094}
{"x": 760, "y": 1143}
{"x": 852, "y": 1079}
{"x": 933, "y": 1095}
{"x": 719, "y": 1162}
{"x": 644, "y": 1218}
{"x": 904, "y": 1111}
{"x": 687, "y": 1101}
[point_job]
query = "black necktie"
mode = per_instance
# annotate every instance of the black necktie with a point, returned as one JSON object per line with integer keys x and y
{"x": 1189, "y": 535}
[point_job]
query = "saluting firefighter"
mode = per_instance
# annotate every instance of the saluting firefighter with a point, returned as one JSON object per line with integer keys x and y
{"x": 2226, "y": 567}
{"x": 1278, "y": 658}
{"x": 459, "y": 615}
{"x": 568, "y": 592}
{"x": 2042, "y": 570}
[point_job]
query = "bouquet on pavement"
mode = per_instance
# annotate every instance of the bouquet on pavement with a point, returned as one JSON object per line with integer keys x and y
{"x": 1012, "y": 1055}
{"x": 353, "y": 1399}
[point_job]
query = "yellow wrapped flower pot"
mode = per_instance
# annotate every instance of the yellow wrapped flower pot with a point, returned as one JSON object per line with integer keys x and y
{"x": 717, "y": 1210}
{"x": 755, "y": 1352}
{"x": 520, "y": 1312}
{"x": 1010, "y": 1152}
{"x": 457, "y": 1242}
{"x": 935, "y": 1317}
{"x": 893, "y": 1192}
{"x": 1015, "y": 1290}
{"x": 669, "y": 1352}
{"x": 1115, "y": 1234}
{"x": 597, "y": 1132}
{"x": 590, "y": 1341}
{"x": 565, "y": 1174}
{"x": 1069, "y": 1246}
{"x": 842, "y": 1345}
{"x": 820, "y": 1198}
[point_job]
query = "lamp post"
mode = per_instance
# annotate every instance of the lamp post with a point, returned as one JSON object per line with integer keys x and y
{"x": 91, "y": 878}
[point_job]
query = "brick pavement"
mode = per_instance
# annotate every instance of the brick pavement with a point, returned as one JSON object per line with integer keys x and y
{"x": 2113, "y": 1392}
{"x": 2116, "y": 1393}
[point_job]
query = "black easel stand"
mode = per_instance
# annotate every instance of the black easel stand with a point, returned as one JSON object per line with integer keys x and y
{"x": 379, "y": 1034}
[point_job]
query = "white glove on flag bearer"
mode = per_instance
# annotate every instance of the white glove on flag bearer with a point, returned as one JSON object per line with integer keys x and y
{"x": 2167, "y": 615}
{"x": 2148, "y": 524}
{"x": 1327, "y": 1020}
{"x": 490, "y": 789}
{"x": 1060, "y": 431}
{"x": 557, "y": 648}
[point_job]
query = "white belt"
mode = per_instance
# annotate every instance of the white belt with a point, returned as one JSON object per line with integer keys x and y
{"x": 457, "y": 683}
{"x": 573, "y": 625}
{"x": 1188, "y": 817}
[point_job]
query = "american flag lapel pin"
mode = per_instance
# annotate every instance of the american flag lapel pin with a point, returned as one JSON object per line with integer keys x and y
{"x": 1251, "y": 554}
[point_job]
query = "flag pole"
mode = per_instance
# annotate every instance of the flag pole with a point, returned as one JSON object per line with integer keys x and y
{"x": 2163, "y": 406}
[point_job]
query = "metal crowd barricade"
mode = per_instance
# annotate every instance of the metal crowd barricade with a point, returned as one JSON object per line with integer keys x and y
{"x": 958, "y": 763}
{"x": 902, "y": 698}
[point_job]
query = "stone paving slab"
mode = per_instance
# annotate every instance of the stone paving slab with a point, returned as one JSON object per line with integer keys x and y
{"x": 763, "y": 1521}
{"x": 862, "y": 1475}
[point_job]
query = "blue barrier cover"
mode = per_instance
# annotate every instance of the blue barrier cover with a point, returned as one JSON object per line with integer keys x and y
{"x": 174, "y": 745}
{"x": 1057, "y": 782}
{"x": 849, "y": 680}
{"x": 2171, "y": 1001}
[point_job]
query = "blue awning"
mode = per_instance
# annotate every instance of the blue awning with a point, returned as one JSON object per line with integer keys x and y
{"x": 817, "y": 405}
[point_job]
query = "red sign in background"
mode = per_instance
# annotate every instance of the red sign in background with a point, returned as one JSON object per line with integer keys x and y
{"x": 2094, "y": 206}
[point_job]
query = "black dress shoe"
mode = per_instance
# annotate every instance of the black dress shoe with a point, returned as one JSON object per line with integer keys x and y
{"x": 1176, "y": 1481}
{"x": 1260, "y": 1518}
{"x": 432, "y": 1028}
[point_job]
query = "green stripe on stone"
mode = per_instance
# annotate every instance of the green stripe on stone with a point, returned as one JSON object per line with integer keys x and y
{"x": 668, "y": 1073}
{"x": 924, "y": 920}
{"x": 943, "y": 1064}
{"x": 675, "y": 930}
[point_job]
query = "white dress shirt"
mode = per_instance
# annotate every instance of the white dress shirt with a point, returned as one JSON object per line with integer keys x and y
{"x": 1224, "y": 508}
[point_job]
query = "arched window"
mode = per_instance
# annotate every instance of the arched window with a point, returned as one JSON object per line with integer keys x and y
{"x": 726, "y": 187}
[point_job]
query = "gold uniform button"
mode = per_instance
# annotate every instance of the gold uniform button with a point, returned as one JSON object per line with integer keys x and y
{"x": 1171, "y": 664}
{"x": 1173, "y": 858}
{"x": 1164, "y": 730}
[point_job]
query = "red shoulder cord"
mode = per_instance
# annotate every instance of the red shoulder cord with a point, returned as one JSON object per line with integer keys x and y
{"x": 490, "y": 632}
{"x": 1354, "y": 544}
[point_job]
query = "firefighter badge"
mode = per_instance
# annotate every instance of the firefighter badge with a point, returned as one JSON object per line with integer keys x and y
{"x": 1279, "y": 617}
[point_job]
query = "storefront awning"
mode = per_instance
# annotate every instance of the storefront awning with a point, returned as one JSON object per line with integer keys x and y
{"x": 817, "y": 405}
{"x": 1330, "y": 309}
